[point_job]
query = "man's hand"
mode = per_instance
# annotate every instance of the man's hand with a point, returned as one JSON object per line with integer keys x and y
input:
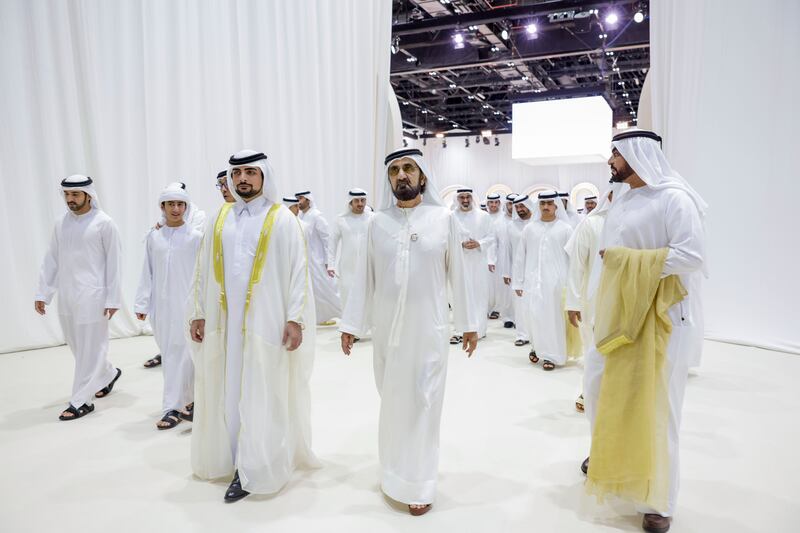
{"x": 292, "y": 336}
{"x": 141, "y": 316}
{"x": 109, "y": 312}
{"x": 347, "y": 343}
{"x": 197, "y": 330}
{"x": 574, "y": 317}
{"x": 331, "y": 273}
{"x": 157, "y": 226}
{"x": 39, "y": 306}
{"x": 469, "y": 342}
{"x": 491, "y": 268}
{"x": 471, "y": 244}
{"x": 506, "y": 280}
{"x": 518, "y": 291}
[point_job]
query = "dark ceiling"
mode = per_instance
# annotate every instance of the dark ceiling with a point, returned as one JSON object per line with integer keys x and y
{"x": 459, "y": 65}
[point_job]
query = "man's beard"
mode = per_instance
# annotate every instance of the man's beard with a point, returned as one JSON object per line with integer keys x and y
{"x": 405, "y": 191}
{"x": 247, "y": 194}
{"x": 75, "y": 207}
{"x": 622, "y": 174}
{"x": 466, "y": 207}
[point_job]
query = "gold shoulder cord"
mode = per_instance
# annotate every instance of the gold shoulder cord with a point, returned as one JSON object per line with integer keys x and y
{"x": 261, "y": 257}
{"x": 219, "y": 266}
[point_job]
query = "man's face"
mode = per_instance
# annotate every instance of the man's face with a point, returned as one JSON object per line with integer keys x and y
{"x": 294, "y": 208}
{"x": 173, "y": 210}
{"x": 620, "y": 170}
{"x": 523, "y": 212}
{"x": 248, "y": 181}
{"x": 493, "y": 206}
{"x": 357, "y": 205}
{"x": 222, "y": 185}
{"x": 304, "y": 202}
{"x": 589, "y": 205}
{"x": 509, "y": 208}
{"x": 406, "y": 179}
{"x": 465, "y": 201}
{"x": 548, "y": 209}
{"x": 76, "y": 200}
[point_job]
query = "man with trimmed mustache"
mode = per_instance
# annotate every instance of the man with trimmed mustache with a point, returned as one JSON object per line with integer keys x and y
{"x": 82, "y": 265}
{"x": 413, "y": 250}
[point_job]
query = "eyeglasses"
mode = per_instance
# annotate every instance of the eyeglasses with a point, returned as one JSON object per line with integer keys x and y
{"x": 222, "y": 185}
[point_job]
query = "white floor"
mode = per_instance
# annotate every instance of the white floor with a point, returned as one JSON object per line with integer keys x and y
{"x": 512, "y": 443}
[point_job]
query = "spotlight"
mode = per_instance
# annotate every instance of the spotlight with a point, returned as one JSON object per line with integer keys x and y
{"x": 432, "y": 73}
{"x": 453, "y": 85}
{"x": 612, "y": 18}
{"x": 411, "y": 59}
{"x": 497, "y": 112}
{"x": 440, "y": 135}
{"x": 486, "y": 133}
{"x": 509, "y": 121}
{"x": 525, "y": 78}
{"x": 638, "y": 17}
{"x": 531, "y": 29}
{"x": 495, "y": 49}
{"x": 504, "y": 34}
{"x": 459, "y": 41}
{"x": 441, "y": 118}
{"x": 496, "y": 141}
{"x": 510, "y": 63}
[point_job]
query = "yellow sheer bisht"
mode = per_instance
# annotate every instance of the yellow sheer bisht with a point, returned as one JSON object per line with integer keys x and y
{"x": 629, "y": 454}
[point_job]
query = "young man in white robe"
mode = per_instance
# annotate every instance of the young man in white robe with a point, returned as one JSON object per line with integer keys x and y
{"x": 589, "y": 204}
{"x": 83, "y": 265}
{"x": 498, "y": 299}
{"x": 347, "y": 243}
{"x": 656, "y": 209}
{"x": 505, "y": 260}
{"x": 478, "y": 241}
{"x": 413, "y": 250}
{"x": 326, "y": 295}
{"x": 197, "y": 219}
{"x": 252, "y": 355}
{"x": 522, "y": 214}
{"x": 539, "y": 279}
{"x": 163, "y": 294}
{"x": 573, "y": 217}
{"x": 584, "y": 274}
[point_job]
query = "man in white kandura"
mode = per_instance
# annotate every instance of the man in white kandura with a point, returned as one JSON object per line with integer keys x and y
{"x": 253, "y": 359}
{"x": 540, "y": 277}
{"x": 350, "y": 233}
{"x": 521, "y": 216}
{"x": 584, "y": 274}
{"x": 197, "y": 219}
{"x": 573, "y": 217}
{"x": 648, "y": 329}
{"x": 413, "y": 251}
{"x": 505, "y": 260}
{"x": 82, "y": 265}
{"x": 478, "y": 241}
{"x": 169, "y": 261}
{"x": 326, "y": 296}
{"x": 498, "y": 295}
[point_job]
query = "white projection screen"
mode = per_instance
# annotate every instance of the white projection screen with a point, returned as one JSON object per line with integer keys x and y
{"x": 556, "y": 132}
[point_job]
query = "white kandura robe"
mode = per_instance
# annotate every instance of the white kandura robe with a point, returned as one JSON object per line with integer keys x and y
{"x": 163, "y": 294}
{"x": 411, "y": 256}
{"x": 252, "y": 401}
{"x": 514, "y": 233}
{"x": 477, "y": 225}
{"x": 648, "y": 219}
{"x": 83, "y": 265}
{"x": 499, "y": 292}
{"x": 326, "y": 297}
{"x": 584, "y": 274}
{"x": 350, "y": 231}
{"x": 540, "y": 271}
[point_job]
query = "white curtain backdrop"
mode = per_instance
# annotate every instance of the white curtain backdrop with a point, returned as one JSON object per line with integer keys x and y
{"x": 139, "y": 93}
{"x": 482, "y": 166}
{"x": 724, "y": 97}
